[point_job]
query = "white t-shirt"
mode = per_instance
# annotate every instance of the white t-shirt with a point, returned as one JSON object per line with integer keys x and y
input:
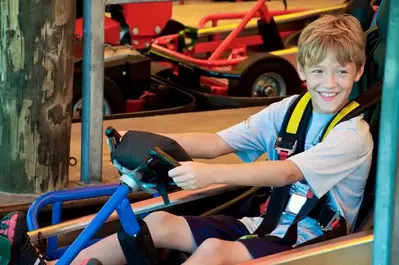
{"x": 339, "y": 165}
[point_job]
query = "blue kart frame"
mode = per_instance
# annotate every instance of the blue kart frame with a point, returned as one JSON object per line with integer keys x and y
{"x": 119, "y": 202}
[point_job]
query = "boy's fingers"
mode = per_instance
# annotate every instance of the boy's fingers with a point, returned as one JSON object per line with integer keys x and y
{"x": 174, "y": 172}
{"x": 180, "y": 179}
{"x": 186, "y": 186}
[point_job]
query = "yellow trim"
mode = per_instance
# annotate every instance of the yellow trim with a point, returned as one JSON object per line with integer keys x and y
{"x": 350, "y": 107}
{"x": 285, "y": 51}
{"x": 297, "y": 114}
{"x": 278, "y": 19}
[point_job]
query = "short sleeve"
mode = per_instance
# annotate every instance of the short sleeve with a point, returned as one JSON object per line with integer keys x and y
{"x": 250, "y": 138}
{"x": 347, "y": 147}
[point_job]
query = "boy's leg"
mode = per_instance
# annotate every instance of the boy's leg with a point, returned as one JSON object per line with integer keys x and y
{"x": 169, "y": 231}
{"x": 215, "y": 251}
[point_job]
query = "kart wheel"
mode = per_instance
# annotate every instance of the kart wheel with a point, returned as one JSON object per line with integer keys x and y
{"x": 265, "y": 75}
{"x": 114, "y": 100}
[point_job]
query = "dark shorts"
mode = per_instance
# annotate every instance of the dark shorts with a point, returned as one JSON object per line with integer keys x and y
{"x": 230, "y": 229}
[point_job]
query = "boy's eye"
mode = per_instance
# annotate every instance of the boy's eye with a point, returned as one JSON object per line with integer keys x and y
{"x": 317, "y": 71}
{"x": 342, "y": 72}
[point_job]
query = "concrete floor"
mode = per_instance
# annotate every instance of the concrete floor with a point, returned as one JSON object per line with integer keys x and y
{"x": 190, "y": 14}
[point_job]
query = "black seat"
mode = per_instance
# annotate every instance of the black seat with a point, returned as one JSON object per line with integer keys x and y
{"x": 374, "y": 69}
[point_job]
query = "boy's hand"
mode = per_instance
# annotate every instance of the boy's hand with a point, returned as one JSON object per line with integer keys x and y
{"x": 192, "y": 175}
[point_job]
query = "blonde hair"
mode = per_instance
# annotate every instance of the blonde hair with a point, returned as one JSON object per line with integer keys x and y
{"x": 341, "y": 34}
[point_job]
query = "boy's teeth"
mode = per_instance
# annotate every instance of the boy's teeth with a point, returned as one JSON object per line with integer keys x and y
{"x": 328, "y": 94}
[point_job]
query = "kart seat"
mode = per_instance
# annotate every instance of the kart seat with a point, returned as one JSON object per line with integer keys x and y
{"x": 373, "y": 73}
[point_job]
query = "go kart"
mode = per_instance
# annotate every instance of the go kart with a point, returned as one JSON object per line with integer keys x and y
{"x": 250, "y": 59}
{"x": 246, "y": 64}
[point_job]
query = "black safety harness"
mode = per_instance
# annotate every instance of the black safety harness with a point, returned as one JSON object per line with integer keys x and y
{"x": 291, "y": 141}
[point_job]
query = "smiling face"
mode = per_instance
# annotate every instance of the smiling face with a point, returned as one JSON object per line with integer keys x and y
{"x": 330, "y": 83}
{"x": 331, "y": 57}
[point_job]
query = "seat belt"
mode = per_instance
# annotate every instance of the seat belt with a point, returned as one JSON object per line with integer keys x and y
{"x": 290, "y": 141}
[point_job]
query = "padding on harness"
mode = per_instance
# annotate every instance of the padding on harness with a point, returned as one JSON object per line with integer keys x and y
{"x": 290, "y": 141}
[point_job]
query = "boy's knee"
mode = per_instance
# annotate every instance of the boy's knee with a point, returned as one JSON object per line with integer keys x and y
{"x": 169, "y": 231}
{"x": 159, "y": 219}
{"x": 212, "y": 246}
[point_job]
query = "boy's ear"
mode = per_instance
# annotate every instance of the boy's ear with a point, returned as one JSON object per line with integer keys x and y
{"x": 301, "y": 71}
{"x": 359, "y": 73}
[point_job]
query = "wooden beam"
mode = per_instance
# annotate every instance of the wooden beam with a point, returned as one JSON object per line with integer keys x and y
{"x": 36, "y": 70}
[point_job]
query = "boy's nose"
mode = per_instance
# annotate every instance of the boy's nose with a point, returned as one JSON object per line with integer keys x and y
{"x": 331, "y": 81}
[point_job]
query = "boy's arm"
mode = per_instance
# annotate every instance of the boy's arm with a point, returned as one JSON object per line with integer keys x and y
{"x": 200, "y": 145}
{"x": 195, "y": 175}
{"x": 262, "y": 174}
{"x": 347, "y": 147}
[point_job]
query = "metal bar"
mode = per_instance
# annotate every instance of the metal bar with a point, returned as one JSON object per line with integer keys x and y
{"x": 93, "y": 91}
{"x": 264, "y": 13}
{"x": 54, "y": 197}
{"x": 55, "y": 219}
{"x": 239, "y": 15}
{"x": 385, "y": 243}
{"x": 176, "y": 198}
{"x": 93, "y": 227}
{"x": 126, "y": 215}
{"x": 354, "y": 249}
{"x": 286, "y": 18}
{"x": 226, "y": 42}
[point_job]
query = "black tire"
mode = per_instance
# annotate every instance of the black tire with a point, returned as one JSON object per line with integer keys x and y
{"x": 112, "y": 95}
{"x": 269, "y": 66}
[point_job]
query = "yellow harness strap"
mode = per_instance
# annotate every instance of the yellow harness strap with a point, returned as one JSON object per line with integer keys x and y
{"x": 299, "y": 110}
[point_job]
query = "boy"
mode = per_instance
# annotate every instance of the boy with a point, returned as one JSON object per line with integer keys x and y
{"x": 331, "y": 57}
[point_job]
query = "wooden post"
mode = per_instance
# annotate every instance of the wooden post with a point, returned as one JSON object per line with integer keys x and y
{"x": 36, "y": 71}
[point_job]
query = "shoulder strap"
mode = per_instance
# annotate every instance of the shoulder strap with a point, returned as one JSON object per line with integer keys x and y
{"x": 291, "y": 137}
{"x": 356, "y": 107}
{"x": 290, "y": 140}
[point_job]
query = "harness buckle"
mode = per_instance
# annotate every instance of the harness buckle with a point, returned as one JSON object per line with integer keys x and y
{"x": 333, "y": 223}
{"x": 285, "y": 148}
